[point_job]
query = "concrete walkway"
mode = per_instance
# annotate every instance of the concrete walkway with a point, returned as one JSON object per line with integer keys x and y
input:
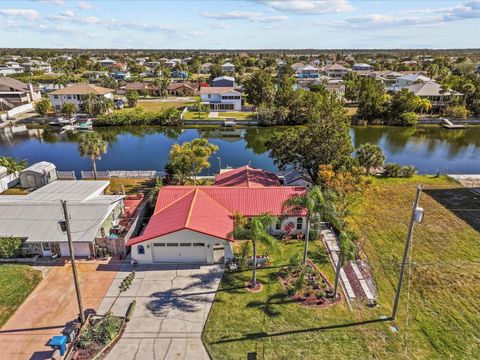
{"x": 173, "y": 302}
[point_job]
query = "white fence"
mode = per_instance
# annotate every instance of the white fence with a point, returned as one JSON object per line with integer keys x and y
{"x": 66, "y": 175}
{"x": 8, "y": 181}
{"x": 124, "y": 174}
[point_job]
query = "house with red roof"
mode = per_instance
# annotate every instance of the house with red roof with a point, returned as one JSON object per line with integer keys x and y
{"x": 193, "y": 224}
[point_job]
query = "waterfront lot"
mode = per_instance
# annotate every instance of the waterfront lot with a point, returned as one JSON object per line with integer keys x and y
{"x": 444, "y": 289}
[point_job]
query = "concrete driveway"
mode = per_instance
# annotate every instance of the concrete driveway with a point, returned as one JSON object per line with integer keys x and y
{"x": 51, "y": 305}
{"x": 173, "y": 302}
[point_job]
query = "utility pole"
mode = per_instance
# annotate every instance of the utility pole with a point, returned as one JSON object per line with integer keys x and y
{"x": 66, "y": 224}
{"x": 417, "y": 215}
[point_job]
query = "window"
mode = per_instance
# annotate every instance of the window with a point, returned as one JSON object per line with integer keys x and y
{"x": 158, "y": 244}
{"x": 198, "y": 244}
{"x": 172, "y": 244}
{"x": 140, "y": 250}
{"x": 299, "y": 223}
{"x": 46, "y": 246}
{"x": 185, "y": 244}
{"x": 278, "y": 225}
{"x": 55, "y": 96}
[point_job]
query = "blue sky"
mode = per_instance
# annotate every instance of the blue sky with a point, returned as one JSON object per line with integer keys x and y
{"x": 240, "y": 24}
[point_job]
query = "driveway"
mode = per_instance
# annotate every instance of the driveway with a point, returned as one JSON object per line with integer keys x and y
{"x": 50, "y": 306}
{"x": 172, "y": 305}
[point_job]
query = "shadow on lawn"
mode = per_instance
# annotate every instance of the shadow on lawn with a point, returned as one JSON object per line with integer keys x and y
{"x": 260, "y": 335}
{"x": 461, "y": 201}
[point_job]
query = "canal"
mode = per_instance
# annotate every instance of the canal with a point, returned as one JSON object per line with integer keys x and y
{"x": 429, "y": 149}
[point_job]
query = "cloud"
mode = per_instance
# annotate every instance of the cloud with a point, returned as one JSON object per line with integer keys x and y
{"x": 68, "y": 13}
{"x": 29, "y": 14}
{"x": 218, "y": 26}
{"x": 234, "y": 15}
{"x": 55, "y": 2}
{"x": 413, "y": 18}
{"x": 84, "y": 5}
{"x": 308, "y": 7}
{"x": 272, "y": 19}
{"x": 245, "y": 15}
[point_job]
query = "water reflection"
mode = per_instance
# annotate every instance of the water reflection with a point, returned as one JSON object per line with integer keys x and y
{"x": 141, "y": 147}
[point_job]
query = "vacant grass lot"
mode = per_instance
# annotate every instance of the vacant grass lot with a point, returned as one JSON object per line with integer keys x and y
{"x": 153, "y": 105}
{"x": 16, "y": 283}
{"x": 444, "y": 316}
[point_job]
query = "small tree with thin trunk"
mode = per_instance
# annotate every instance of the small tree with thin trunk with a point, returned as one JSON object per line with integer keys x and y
{"x": 255, "y": 229}
{"x": 314, "y": 204}
{"x": 347, "y": 252}
{"x": 92, "y": 145}
{"x": 370, "y": 156}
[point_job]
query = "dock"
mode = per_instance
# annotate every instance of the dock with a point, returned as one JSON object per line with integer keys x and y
{"x": 449, "y": 125}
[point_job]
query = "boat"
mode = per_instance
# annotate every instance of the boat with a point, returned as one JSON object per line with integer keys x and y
{"x": 87, "y": 125}
{"x": 68, "y": 128}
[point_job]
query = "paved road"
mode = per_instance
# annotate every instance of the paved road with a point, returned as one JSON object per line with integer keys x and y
{"x": 173, "y": 302}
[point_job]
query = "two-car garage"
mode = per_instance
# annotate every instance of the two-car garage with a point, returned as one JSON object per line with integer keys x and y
{"x": 184, "y": 246}
{"x": 181, "y": 252}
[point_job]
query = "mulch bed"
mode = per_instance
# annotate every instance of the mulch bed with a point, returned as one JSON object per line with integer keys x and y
{"x": 312, "y": 300}
{"x": 354, "y": 283}
{"x": 250, "y": 288}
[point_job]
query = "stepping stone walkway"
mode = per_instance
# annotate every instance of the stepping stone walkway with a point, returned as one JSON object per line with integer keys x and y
{"x": 331, "y": 243}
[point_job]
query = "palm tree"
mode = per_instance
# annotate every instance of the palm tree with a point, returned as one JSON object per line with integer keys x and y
{"x": 424, "y": 105}
{"x": 347, "y": 252}
{"x": 468, "y": 89}
{"x": 315, "y": 204}
{"x": 13, "y": 166}
{"x": 370, "y": 156}
{"x": 92, "y": 145}
{"x": 255, "y": 229}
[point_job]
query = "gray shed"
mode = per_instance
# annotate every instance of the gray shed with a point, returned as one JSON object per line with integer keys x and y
{"x": 38, "y": 175}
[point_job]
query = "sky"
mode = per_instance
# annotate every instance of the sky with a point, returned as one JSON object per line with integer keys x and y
{"x": 240, "y": 24}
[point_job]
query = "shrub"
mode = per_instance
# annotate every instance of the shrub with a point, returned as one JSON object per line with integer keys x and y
{"x": 396, "y": 171}
{"x": 10, "y": 247}
{"x": 392, "y": 170}
{"x": 43, "y": 106}
{"x": 409, "y": 119}
{"x": 169, "y": 116}
{"x": 408, "y": 171}
{"x": 457, "y": 112}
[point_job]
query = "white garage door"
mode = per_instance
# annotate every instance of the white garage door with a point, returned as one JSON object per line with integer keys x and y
{"x": 183, "y": 252}
{"x": 79, "y": 249}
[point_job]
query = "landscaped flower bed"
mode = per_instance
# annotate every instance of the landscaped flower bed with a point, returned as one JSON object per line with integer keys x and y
{"x": 98, "y": 336}
{"x": 307, "y": 285}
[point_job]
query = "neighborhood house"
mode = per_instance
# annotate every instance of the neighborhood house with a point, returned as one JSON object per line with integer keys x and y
{"x": 96, "y": 220}
{"x": 193, "y": 224}
{"x": 77, "y": 94}
{"x": 222, "y": 98}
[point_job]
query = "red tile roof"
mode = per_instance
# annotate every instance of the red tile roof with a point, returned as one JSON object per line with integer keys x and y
{"x": 210, "y": 209}
{"x": 247, "y": 176}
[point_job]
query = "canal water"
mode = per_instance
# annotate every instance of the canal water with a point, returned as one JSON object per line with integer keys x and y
{"x": 429, "y": 149}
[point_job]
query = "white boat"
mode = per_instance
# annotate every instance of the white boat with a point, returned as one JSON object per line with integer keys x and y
{"x": 68, "y": 128}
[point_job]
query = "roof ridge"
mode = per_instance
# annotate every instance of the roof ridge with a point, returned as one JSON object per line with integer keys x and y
{"x": 173, "y": 202}
{"x": 223, "y": 206}
{"x": 190, "y": 210}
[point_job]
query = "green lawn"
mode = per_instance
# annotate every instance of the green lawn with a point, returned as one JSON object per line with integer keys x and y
{"x": 445, "y": 288}
{"x": 153, "y": 105}
{"x": 16, "y": 283}
{"x": 131, "y": 186}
